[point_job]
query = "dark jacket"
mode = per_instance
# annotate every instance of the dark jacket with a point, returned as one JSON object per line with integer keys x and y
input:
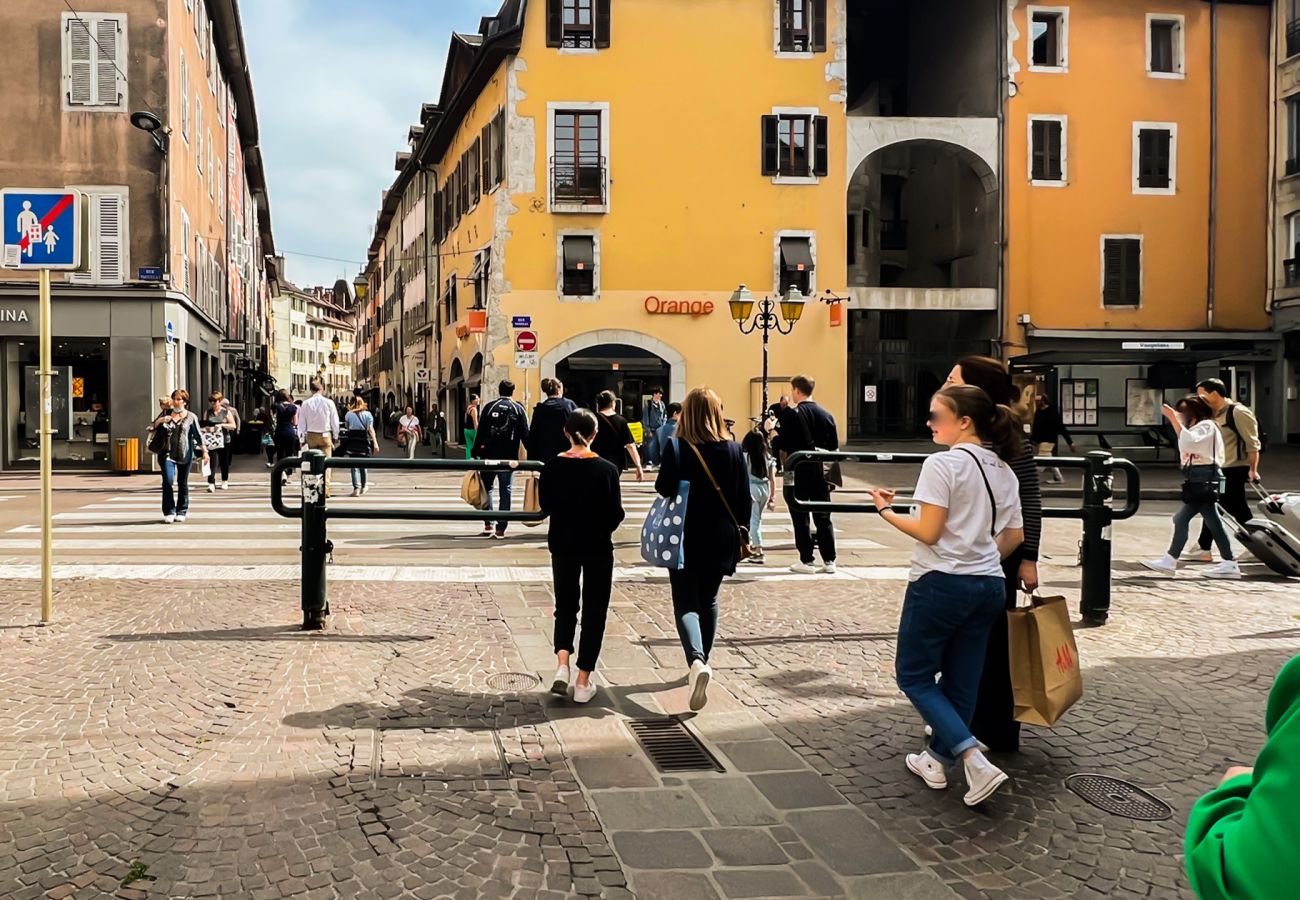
{"x": 546, "y": 433}
{"x": 712, "y": 542}
{"x": 503, "y": 446}
{"x": 1048, "y": 427}
{"x": 583, "y": 500}
{"x": 795, "y": 425}
{"x": 612, "y": 439}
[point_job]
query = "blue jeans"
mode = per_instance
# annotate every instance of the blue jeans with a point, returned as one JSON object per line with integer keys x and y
{"x": 652, "y": 455}
{"x": 945, "y": 632}
{"x": 506, "y": 480}
{"x": 1209, "y": 513}
{"x": 695, "y": 607}
{"x": 760, "y": 491}
{"x": 358, "y": 479}
{"x": 178, "y": 474}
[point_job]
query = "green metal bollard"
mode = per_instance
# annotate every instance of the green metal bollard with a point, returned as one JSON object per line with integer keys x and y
{"x": 1095, "y": 553}
{"x": 315, "y": 545}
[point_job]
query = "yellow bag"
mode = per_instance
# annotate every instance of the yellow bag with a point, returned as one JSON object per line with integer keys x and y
{"x": 472, "y": 491}
{"x": 1045, "y": 676}
{"x": 532, "y": 496}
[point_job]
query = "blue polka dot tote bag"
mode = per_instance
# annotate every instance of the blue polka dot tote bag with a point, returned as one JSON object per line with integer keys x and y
{"x": 662, "y": 535}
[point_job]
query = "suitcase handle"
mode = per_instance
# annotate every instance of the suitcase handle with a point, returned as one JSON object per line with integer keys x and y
{"x": 1273, "y": 505}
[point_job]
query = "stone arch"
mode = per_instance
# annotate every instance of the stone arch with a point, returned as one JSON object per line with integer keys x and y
{"x": 563, "y": 350}
{"x": 971, "y": 146}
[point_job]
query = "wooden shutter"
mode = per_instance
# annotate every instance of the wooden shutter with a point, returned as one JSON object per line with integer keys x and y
{"x": 771, "y": 152}
{"x": 109, "y": 220}
{"x": 485, "y": 162}
{"x": 554, "y": 23}
{"x": 821, "y": 148}
{"x": 108, "y": 35}
{"x": 602, "y": 23}
{"x": 1132, "y": 272}
{"x": 1055, "y": 132}
{"x": 477, "y": 182}
{"x": 501, "y": 147}
{"x": 818, "y": 12}
{"x": 80, "y": 65}
{"x": 1112, "y": 279}
{"x": 1122, "y": 279}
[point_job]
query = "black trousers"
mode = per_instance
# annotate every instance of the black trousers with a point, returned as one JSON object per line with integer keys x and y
{"x": 582, "y": 582}
{"x": 1233, "y": 501}
{"x": 220, "y": 459}
{"x": 803, "y": 537}
{"x": 993, "y": 722}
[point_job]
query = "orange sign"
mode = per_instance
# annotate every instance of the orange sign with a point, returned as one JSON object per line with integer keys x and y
{"x": 478, "y": 321}
{"x": 837, "y": 315}
{"x": 693, "y": 308}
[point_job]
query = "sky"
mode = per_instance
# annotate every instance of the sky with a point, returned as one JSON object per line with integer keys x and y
{"x": 337, "y": 84}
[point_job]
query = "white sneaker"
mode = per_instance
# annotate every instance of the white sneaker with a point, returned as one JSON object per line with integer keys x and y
{"x": 700, "y": 677}
{"x": 560, "y": 686}
{"x": 180, "y": 519}
{"x": 803, "y": 568}
{"x": 365, "y": 488}
{"x": 982, "y": 777}
{"x": 356, "y": 492}
{"x": 1165, "y": 565}
{"x": 929, "y": 769}
{"x": 1198, "y": 555}
{"x": 827, "y": 568}
{"x": 582, "y": 693}
{"x": 1229, "y": 568}
{"x": 212, "y": 488}
{"x": 225, "y": 485}
{"x": 167, "y": 520}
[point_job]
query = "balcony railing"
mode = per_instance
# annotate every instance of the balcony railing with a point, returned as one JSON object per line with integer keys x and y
{"x": 1291, "y": 272}
{"x": 582, "y": 181}
{"x": 1292, "y": 38}
{"x": 893, "y": 234}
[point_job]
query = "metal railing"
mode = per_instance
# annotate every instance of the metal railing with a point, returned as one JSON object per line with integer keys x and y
{"x": 1097, "y": 512}
{"x": 583, "y": 180}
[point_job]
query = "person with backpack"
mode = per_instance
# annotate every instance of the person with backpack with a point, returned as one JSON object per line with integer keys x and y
{"x": 1242, "y": 447}
{"x": 762, "y": 487}
{"x": 547, "y": 434}
{"x": 579, "y": 491}
{"x": 176, "y": 439}
{"x": 804, "y": 425}
{"x": 360, "y": 441}
{"x": 969, "y": 521}
{"x": 502, "y": 430}
{"x": 614, "y": 440}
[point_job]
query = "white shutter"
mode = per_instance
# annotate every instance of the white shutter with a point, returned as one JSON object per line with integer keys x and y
{"x": 109, "y": 87}
{"x": 185, "y": 253}
{"x": 78, "y": 63}
{"x": 110, "y": 232}
{"x": 198, "y": 134}
{"x": 185, "y": 98}
{"x": 212, "y": 181}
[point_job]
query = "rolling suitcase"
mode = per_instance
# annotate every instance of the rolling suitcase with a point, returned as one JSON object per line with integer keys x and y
{"x": 1281, "y": 508}
{"x": 1269, "y": 543}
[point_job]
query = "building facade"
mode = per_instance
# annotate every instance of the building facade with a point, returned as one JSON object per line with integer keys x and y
{"x": 322, "y": 340}
{"x": 1284, "y": 245}
{"x": 177, "y": 287}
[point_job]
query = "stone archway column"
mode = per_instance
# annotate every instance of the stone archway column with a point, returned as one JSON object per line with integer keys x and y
{"x": 677, "y": 384}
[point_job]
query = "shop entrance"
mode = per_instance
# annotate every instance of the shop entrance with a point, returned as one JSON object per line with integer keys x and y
{"x": 630, "y": 372}
{"x": 81, "y": 412}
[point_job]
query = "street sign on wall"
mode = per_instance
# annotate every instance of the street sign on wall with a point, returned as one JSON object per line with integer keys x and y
{"x": 421, "y": 376}
{"x": 526, "y": 341}
{"x": 43, "y": 228}
{"x": 525, "y": 359}
{"x": 521, "y": 322}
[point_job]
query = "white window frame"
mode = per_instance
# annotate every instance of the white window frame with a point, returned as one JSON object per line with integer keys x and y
{"x": 552, "y": 107}
{"x": 1142, "y": 271}
{"x": 212, "y": 161}
{"x": 185, "y": 98}
{"x": 1172, "y": 128}
{"x": 221, "y": 191}
{"x": 1063, "y": 41}
{"x": 594, "y": 234}
{"x": 1180, "y": 44}
{"x": 776, "y": 36}
{"x": 198, "y": 135}
{"x": 186, "y": 232}
{"x": 776, "y": 260}
{"x": 1292, "y": 220}
{"x": 1065, "y": 152}
{"x": 124, "y": 252}
{"x": 65, "y": 55}
{"x": 812, "y": 113}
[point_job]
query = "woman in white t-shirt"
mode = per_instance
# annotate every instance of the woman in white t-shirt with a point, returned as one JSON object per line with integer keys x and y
{"x": 408, "y": 432}
{"x": 1200, "y": 450}
{"x": 969, "y": 522}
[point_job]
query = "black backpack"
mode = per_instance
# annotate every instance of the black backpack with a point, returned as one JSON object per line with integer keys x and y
{"x": 500, "y": 419}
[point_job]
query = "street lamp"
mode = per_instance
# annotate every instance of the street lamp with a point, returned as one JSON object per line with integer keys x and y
{"x": 767, "y": 320}
{"x": 360, "y": 287}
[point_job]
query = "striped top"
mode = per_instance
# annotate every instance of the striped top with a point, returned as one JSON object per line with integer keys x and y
{"x": 1031, "y": 501}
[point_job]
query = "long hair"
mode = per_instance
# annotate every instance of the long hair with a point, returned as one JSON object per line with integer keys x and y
{"x": 702, "y": 421}
{"x": 992, "y": 376}
{"x": 756, "y": 452}
{"x": 1196, "y": 409}
{"x": 994, "y": 423}
{"x": 358, "y": 404}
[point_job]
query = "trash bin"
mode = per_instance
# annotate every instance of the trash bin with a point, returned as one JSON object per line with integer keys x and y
{"x": 126, "y": 456}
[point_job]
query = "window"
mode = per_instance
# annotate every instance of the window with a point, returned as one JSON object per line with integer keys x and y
{"x": 198, "y": 136}
{"x": 108, "y": 236}
{"x": 94, "y": 62}
{"x": 795, "y": 145}
{"x": 1121, "y": 268}
{"x": 1047, "y": 150}
{"x": 185, "y": 99}
{"x": 1155, "y": 149}
{"x": 796, "y": 264}
{"x": 449, "y": 302}
{"x": 221, "y": 192}
{"x": 185, "y": 253}
{"x": 802, "y": 26}
{"x": 212, "y": 181}
{"x": 1291, "y": 253}
{"x": 1293, "y": 135}
{"x": 1049, "y": 38}
{"x": 578, "y": 166}
{"x": 851, "y": 233}
{"x": 1292, "y": 27}
{"x": 1165, "y": 46}
{"x": 577, "y": 24}
{"x": 579, "y": 259}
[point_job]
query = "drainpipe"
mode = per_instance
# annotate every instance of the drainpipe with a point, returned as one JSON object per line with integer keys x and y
{"x": 1004, "y": 97}
{"x": 1270, "y": 295}
{"x": 1214, "y": 162}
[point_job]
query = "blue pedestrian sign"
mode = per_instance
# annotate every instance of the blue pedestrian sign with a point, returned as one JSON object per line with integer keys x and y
{"x": 42, "y": 228}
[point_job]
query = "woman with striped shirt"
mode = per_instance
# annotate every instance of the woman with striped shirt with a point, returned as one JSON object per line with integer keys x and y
{"x": 994, "y": 724}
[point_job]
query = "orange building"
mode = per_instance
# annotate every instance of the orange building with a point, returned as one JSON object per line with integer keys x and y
{"x": 1137, "y": 186}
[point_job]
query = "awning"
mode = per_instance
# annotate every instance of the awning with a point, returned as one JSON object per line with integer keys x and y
{"x": 796, "y": 253}
{"x": 579, "y": 253}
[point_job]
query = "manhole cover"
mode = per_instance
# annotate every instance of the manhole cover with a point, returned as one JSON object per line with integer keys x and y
{"x": 672, "y": 747}
{"x": 1119, "y": 797}
{"x": 513, "y": 681}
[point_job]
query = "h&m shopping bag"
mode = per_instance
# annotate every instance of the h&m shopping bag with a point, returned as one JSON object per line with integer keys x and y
{"x": 472, "y": 490}
{"x": 662, "y": 534}
{"x": 532, "y": 496}
{"x": 1045, "y": 676}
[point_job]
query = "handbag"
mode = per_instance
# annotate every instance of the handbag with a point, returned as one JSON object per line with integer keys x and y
{"x": 472, "y": 490}
{"x": 663, "y": 536}
{"x": 1202, "y": 490}
{"x": 158, "y": 438}
{"x": 831, "y": 473}
{"x": 1045, "y": 676}
{"x": 214, "y": 440}
{"x": 532, "y": 497}
{"x": 746, "y": 549}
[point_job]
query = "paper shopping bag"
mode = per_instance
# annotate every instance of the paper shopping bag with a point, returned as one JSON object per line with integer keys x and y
{"x": 532, "y": 498}
{"x": 1045, "y": 676}
{"x": 472, "y": 491}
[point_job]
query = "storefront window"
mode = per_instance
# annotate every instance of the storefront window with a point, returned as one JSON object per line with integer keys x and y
{"x": 80, "y": 402}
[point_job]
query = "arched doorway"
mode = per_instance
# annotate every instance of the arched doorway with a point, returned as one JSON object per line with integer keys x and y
{"x": 628, "y": 363}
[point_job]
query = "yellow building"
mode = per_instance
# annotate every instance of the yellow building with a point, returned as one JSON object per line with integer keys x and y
{"x": 612, "y": 179}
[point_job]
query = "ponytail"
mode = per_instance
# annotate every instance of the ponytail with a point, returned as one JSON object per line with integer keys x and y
{"x": 995, "y": 423}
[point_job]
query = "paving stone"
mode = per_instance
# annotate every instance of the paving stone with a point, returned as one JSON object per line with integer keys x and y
{"x": 819, "y": 879}
{"x": 744, "y": 847}
{"x": 667, "y": 808}
{"x": 759, "y": 883}
{"x": 762, "y": 756}
{"x": 918, "y": 886}
{"x": 614, "y": 772}
{"x": 849, "y": 842}
{"x": 733, "y": 800}
{"x": 672, "y": 886}
{"x": 661, "y": 850}
{"x": 797, "y": 790}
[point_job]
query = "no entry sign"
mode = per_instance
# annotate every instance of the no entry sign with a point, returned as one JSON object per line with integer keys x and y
{"x": 526, "y": 341}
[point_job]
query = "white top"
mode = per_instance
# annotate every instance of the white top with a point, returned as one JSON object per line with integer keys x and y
{"x": 318, "y": 415}
{"x": 966, "y": 545}
{"x": 409, "y": 422}
{"x": 1201, "y": 445}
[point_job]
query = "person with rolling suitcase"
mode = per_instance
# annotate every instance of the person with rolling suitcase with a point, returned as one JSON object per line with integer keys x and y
{"x": 1270, "y": 541}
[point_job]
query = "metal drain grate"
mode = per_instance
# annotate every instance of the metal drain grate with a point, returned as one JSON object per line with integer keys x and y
{"x": 513, "y": 681}
{"x": 672, "y": 747}
{"x": 1119, "y": 797}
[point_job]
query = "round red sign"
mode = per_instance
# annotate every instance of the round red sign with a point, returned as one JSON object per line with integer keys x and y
{"x": 526, "y": 341}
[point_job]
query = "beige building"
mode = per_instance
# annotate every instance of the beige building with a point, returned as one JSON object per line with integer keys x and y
{"x": 1284, "y": 274}
{"x": 176, "y": 293}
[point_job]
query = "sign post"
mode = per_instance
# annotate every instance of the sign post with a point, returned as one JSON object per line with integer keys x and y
{"x": 49, "y": 227}
{"x": 525, "y": 353}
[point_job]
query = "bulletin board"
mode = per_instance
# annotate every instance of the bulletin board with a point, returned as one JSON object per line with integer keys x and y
{"x": 1079, "y": 398}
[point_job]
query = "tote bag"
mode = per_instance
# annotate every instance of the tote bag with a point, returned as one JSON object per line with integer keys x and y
{"x": 1045, "y": 676}
{"x": 663, "y": 535}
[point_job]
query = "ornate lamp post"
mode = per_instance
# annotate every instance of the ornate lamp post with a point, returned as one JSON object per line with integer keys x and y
{"x": 766, "y": 320}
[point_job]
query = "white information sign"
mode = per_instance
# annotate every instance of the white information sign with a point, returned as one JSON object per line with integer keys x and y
{"x": 525, "y": 359}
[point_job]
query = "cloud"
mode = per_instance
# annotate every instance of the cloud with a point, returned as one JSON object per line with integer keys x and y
{"x": 337, "y": 86}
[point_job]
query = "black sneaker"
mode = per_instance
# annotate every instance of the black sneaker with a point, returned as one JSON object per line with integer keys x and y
{"x": 313, "y": 622}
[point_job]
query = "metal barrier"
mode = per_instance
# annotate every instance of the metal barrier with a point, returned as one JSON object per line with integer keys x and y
{"x": 1097, "y": 512}
{"x": 315, "y": 514}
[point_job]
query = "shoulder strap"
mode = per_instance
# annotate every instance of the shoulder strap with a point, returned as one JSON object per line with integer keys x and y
{"x": 713, "y": 481}
{"x": 1232, "y": 423}
{"x": 993, "y": 528}
{"x": 807, "y": 430}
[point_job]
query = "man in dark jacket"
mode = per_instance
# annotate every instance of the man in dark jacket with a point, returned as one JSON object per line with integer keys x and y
{"x": 502, "y": 428}
{"x": 1047, "y": 430}
{"x": 803, "y": 425}
{"x": 546, "y": 434}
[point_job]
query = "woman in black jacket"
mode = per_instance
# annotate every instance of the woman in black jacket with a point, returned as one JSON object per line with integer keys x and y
{"x": 717, "y": 505}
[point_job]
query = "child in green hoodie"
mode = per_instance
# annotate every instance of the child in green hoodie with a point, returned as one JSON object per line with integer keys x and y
{"x": 1243, "y": 838}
